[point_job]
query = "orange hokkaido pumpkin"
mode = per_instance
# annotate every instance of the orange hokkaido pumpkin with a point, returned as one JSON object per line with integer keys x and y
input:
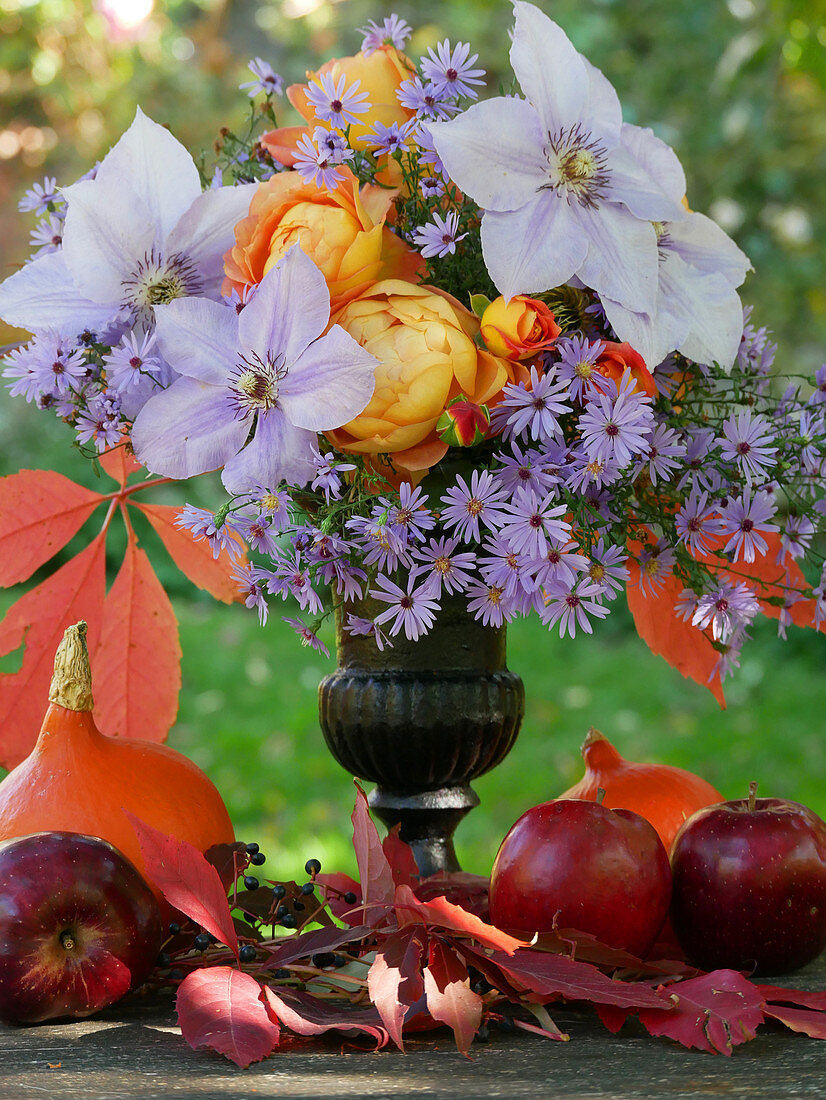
{"x": 78, "y": 780}
{"x": 664, "y": 795}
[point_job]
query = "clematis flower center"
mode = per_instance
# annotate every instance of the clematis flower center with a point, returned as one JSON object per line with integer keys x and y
{"x": 157, "y": 279}
{"x": 254, "y": 385}
{"x": 576, "y": 166}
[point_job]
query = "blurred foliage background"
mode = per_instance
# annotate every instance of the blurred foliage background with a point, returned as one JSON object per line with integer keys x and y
{"x": 737, "y": 87}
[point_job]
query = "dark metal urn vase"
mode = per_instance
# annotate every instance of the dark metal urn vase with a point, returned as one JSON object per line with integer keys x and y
{"x": 422, "y": 720}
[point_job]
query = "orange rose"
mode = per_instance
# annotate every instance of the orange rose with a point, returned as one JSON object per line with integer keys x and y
{"x": 342, "y": 231}
{"x": 379, "y": 75}
{"x": 423, "y": 340}
{"x": 616, "y": 358}
{"x": 519, "y": 328}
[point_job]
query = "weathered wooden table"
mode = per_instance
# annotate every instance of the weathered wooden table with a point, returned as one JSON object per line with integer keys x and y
{"x": 136, "y": 1050}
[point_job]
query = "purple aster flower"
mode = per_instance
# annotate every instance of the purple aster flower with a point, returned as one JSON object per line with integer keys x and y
{"x": 382, "y": 545}
{"x": 533, "y": 411}
{"x": 390, "y": 139}
{"x": 328, "y": 474}
{"x": 427, "y": 150}
{"x": 431, "y": 187}
{"x": 425, "y": 99}
{"x": 698, "y": 523}
{"x": 796, "y": 539}
{"x": 411, "y": 517}
{"x": 275, "y": 504}
{"x": 570, "y": 607}
{"x": 333, "y": 143}
{"x": 700, "y": 472}
{"x": 23, "y": 366}
{"x": 439, "y": 237}
{"x": 577, "y": 364}
{"x": 533, "y": 523}
{"x": 729, "y": 658}
{"x": 586, "y": 474}
{"x": 443, "y": 566}
{"x": 134, "y": 363}
{"x": 335, "y": 104}
{"x": 100, "y": 422}
{"x": 393, "y": 31}
{"x": 664, "y": 449}
{"x": 686, "y": 605}
{"x": 314, "y": 165}
{"x": 560, "y": 566}
{"x": 307, "y": 635}
{"x": 59, "y": 366}
{"x": 254, "y": 388}
{"x": 744, "y": 518}
{"x": 266, "y": 80}
{"x": 526, "y": 470}
{"x": 367, "y": 628}
{"x": 756, "y": 353}
{"x": 747, "y": 440}
{"x": 607, "y": 568}
{"x": 656, "y": 564}
{"x": 347, "y": 579}
{"x": 47, "y": 236}
{"x": 258, "y": 532}
{"x": 465, "y": 507}
{"x": 819, "y": 395}
{"x": 41, "y": 198}
{"x": 412, "y": 610}
{"x": 730, "y": 607}
{"x": 616, "y": 423}
{"x": 490, "y": 604}
{"x": 249, "y": 579}
{"x": 451, "y": 71}
{"x": 504, "y": 568}
{"x": 238, "y": 299}
{"x": 810, "y": 429}
{"x": 201, "y": 525}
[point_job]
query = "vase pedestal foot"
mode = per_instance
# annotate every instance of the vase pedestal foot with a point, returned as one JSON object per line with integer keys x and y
{"x": 427, "y": 820}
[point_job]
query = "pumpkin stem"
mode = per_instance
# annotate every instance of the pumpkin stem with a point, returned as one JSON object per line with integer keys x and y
{"x": 71, "y": 685}
{"x": 592, "y": 738}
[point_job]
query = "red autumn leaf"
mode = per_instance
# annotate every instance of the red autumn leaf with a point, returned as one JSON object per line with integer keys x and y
{"x": 715, "y": 1012}
{"x": 227, "y": 859}
{"x": 399, "y": 855}
{"x": 468, "y": 891}
{"x": 613, "y": 1016}
{"x": 395, "y": 979}
{"x": 187, "y": 880}
{"x": 40, "y": 617}
{"x": 376, "y": 876}
{"x": 221, "y": 1009}
{"x": 119, "y": 463}
{"x": 306, "y": 944}
{"x": 339, "y": 884}
{"x": 561, "y": 976}
{"x": 307, "y": 1015}
{"x": 194, "y": 559}
{"x": 808, "y": 1021}
{"x": 40, "y": 510}
{"x": 440, "y": 913}
{"x": 804, "y": 997}
{"x": 681, "y": 644}
{"x": 450, "y": 1000}
{"x": 137, "y": 663}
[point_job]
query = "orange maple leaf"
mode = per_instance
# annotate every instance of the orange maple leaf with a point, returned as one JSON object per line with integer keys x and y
{"x": 132, "y": 631}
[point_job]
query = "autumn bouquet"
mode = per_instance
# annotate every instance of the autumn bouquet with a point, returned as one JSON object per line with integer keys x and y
{"x": 437, "y": 347}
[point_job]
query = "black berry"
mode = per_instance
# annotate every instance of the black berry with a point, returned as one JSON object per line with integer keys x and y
{"x": 252, "y": 849}
{"x": 163, "y": 959}
{"x": 308, "y": 888}
{"x": 174, "y": 928}
{"x": 312, "y": 866}
{"x": 246, "y": 953}
{"x": 322, "y": 959}
{"x": 350, "y": 897}
{"x": 288, "y": 920}
{"x": 278, "y": 892}
{"x": 299, "y": 906}
{"x": 202, "y": 941}
{"x": 281, "y": 973}
{"x": 257, "y": 858}
{"x": 251, "y": 882}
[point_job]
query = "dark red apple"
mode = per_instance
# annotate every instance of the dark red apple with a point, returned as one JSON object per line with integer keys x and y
{"x": 79, "y": 926}
{"x": 750, "y": 886}
{"x": 577, "y": 864}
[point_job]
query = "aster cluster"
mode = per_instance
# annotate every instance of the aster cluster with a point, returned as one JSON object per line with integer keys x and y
{"x": 612, "y": 420}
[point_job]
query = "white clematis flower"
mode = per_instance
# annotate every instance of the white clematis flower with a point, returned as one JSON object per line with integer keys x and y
{"x": 139, "y": 234}
{"x": 562, "y": 196}
{"x": 255, "y": 387}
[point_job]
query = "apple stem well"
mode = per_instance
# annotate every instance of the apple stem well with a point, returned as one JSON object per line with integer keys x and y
{"x": 71, "y": 685}
{"x": 67, "y": 939}
{"x": 752, "y": 796}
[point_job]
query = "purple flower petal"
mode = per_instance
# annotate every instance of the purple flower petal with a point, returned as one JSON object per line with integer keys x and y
{"x": 205, "y": 231}
{"x": 198, "y": 338}
{"x": 550, "y": 71}
{"x": 348, "y": 374}
{"x": 42, "y": 295}
{"x": 277, "y": 452}
{"x": 515, "y": 264}
{"x": 622, "y": 256}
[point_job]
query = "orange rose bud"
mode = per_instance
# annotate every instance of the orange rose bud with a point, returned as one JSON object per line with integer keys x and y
{"x": 616, "y": 358}
{"x": 463, "y": 423}
{"x": 519, "y": 328}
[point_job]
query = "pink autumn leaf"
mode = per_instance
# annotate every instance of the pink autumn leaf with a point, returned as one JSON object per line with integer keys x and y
{"x": 395, "y": 979}
{"x": 450, "y": 1000}
{"x": 221, "y": 1009}
{"x": 715, "y": 1012}
{"x": 376, "y": 876}
{"x": 307, "y": 1015}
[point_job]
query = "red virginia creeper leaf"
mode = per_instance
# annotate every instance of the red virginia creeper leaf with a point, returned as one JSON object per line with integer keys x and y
{"x": 307, "y": 1015}
{"x": 187, "y": 880}
{"x": 338, "y": 885}
{"x": 681, "y": 644}
{"x": 221, "y": 1009}
{"x": 804, "y": 997}
{"x": 307, "y": 944}
{"x": 441, "y": 913}
{"x": 41, "y": 616}
{"x": 194, "y": 559}
{"x": 227, "y": 859}
{"x": 459, "y": 887}
{"x": 137, "y": 664}
{"x": 613, "y": 1016}
{"x": 376, "y": 876}
{"x": 395, "y": 979}
{"x": 715, "y": 1012}
{"x": 808, "y": 1021}
{"x": 119, "y": 463}
{"x": 450, "y": 1000}
{"x": 40, "y": 510}
{"x": 400, "y": 856}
